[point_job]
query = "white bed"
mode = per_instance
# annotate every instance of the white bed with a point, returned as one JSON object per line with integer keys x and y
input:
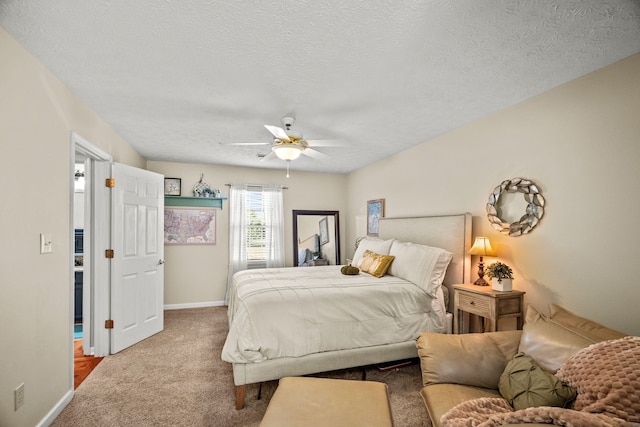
{"x": 323, "y": 320}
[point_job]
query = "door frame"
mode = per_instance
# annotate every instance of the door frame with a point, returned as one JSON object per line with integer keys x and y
{"x": 96, "y": 280}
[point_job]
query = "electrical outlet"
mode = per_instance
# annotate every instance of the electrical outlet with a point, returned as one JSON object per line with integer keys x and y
{"x": 46, "y": 245}
{"x": 18, "y": 396}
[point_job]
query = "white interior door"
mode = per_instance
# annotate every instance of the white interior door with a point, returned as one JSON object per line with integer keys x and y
{"x": 137, "y": 272}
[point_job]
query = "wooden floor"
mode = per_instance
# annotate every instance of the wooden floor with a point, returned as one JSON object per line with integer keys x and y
{"x": 82, "y": 365}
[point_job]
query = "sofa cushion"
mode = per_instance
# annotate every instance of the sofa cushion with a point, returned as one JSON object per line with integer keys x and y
{"x": 440, "y": 398}
{"x": 549, "y": 343}
{"x": 525, "y": 385}
{"x": 585, "y": 327}
{"x": 471, "y": 359}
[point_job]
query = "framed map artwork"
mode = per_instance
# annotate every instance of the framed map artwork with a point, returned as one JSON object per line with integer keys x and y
{"x": 189, "y": 226}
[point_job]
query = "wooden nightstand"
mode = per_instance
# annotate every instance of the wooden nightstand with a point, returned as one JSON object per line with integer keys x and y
{"x": 484, "y": 301}
{"x": 316, "y": 262}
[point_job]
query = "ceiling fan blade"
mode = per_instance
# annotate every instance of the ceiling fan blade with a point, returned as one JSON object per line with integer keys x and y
{"x": 315, "y": 154}
{"x": 249, "y": 143}
{"x": 269, "y": 156}
{"x": 325, "y": 143}
{"x": 278, "y": 132}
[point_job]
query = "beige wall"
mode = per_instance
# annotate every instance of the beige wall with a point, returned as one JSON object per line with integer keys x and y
{"x": 198, "y": 274}
{"x": 581, "y": 143}
{"x": 37, "y": 115}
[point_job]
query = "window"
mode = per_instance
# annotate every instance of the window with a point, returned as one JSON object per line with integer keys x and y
{"x": 257, "y": 253}
{"x": 256, "y": 228}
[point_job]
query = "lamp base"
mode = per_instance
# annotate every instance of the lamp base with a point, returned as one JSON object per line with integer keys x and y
{"x": 481, "y": 282}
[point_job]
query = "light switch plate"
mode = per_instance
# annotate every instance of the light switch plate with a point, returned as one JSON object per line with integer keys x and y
{"x": 18, "y": 397}
{"x": 46, "y": 245}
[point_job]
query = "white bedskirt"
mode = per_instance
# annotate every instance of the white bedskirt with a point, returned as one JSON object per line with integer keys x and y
{"x": 296, "y": 311}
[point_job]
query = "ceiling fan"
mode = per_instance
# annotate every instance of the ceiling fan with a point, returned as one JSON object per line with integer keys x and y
{"x": 288, "y": 144}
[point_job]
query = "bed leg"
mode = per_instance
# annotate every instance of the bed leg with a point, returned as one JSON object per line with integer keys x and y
{"x": 259, "y": 391}
{"x": 240, "y": 392}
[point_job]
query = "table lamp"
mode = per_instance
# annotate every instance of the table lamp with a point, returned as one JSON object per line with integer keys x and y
{"x": 481, "y": 247}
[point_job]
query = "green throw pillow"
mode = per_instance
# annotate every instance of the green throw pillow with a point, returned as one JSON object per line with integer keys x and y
{"x": 525, "y": 385}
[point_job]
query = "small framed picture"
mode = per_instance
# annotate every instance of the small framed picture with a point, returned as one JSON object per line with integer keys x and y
{"x": 172, "y": 186}
{"x": 324, "y": 231}
{"x": 375, "y": 211}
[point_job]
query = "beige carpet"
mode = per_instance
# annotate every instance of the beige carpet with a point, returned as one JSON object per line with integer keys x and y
{"x": 176, "y": 378}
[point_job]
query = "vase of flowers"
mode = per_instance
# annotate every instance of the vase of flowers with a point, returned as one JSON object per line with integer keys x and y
{"x": 501, "y": 276}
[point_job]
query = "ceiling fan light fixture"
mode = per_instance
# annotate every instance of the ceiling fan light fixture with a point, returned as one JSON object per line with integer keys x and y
{"x": 288, "y": 152}
{"x": 294, "y": 135}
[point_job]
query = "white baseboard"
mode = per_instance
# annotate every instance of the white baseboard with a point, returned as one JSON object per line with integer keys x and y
{"x": 56, "y": 410}
{"x": 194, "y": 305}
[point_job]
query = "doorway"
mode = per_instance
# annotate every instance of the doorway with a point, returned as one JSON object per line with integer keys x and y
{"x": 122, "y": 251}
{"x": 92, "y": 217}
{"x": 78, "y": 246}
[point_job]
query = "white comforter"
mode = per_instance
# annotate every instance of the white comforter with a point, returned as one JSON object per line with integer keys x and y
{"x": 295, "y": 311}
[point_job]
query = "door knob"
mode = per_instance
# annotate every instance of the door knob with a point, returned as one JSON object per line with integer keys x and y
{"x": 160, "y": 261}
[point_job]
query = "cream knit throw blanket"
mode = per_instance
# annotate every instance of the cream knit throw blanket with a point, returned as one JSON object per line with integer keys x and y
{"x": 606, "y": 376}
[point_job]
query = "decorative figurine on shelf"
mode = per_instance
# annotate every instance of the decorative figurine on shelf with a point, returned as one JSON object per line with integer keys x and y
{"x": 201, "y": 188}
{"x": 198, "y": 189}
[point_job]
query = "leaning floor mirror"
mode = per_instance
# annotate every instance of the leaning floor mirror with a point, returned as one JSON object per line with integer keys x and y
{"x": 316, "y": 238}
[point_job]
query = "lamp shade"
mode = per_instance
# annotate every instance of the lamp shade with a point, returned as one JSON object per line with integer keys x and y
{"x": 482, "y": 246}
{"x": 288, "y": 151}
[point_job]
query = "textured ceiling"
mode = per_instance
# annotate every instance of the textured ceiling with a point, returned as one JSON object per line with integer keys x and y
{"x": 181, "y": 80}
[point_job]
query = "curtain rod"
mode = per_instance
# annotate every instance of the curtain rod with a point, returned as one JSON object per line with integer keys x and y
{"x": 260, "y": 185}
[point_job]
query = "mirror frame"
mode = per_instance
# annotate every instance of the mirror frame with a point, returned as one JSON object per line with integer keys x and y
{"x": 298, "y": 212}
{"x": 533, "y": 213}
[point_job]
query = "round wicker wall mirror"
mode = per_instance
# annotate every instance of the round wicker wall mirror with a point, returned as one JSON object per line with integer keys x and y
{"x": 533, "y": 211}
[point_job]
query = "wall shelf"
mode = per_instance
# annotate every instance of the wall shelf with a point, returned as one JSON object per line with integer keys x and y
{"x": 194, "y": 202}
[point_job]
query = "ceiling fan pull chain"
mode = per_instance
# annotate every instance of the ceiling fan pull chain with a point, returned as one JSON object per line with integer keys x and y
{"x": 288, "y": 169}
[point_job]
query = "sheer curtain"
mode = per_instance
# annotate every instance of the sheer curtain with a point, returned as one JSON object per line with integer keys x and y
{"x": 272, "y": 203}
{"x": 250, "y": 205}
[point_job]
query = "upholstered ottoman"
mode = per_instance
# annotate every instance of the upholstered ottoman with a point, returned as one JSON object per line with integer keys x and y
{"x": 302, "y": 401}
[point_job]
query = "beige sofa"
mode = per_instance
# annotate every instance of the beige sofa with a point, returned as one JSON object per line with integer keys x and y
{"x": 458, "y": 368}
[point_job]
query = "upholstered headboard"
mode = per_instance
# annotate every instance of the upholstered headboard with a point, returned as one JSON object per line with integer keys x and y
{"x": 449, "y": 232}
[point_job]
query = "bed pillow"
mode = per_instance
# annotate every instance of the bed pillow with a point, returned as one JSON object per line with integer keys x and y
{"x": 303, "y": 255}
{"x": 373, "y": 244}
{"x": 375, "y": 264}
{"x": 525, "y": 385}
{"x": 425, "y": 266}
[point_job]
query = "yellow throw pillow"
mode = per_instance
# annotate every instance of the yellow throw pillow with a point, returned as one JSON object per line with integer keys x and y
{"x": 375, "y": 264}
